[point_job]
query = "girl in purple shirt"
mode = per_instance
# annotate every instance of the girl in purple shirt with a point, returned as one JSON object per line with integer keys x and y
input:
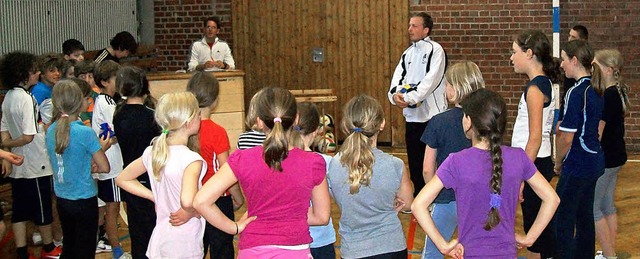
{"x": 485, "y": 178}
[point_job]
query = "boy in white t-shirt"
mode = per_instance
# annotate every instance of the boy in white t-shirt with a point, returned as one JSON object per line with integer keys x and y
{"x": 22, "y": 134}
{"x": 104, "y": 75}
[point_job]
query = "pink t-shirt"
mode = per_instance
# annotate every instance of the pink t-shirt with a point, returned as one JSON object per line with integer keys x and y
{"x": 279, "y": 199}
{"x": 184, "y": 241}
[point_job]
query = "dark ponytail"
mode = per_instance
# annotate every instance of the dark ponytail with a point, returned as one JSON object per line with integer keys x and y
{"x": 488, "y": 111}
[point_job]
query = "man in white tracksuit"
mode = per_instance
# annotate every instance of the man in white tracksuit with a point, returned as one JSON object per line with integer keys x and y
{"x": 418, "y": 86}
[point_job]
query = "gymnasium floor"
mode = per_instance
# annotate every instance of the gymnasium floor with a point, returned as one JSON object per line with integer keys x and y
{"x": 627, "y": 202}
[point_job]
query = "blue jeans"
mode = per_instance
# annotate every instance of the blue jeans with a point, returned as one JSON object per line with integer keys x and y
{"x": 575, "y": 215}
{"x": 445, "y": 216}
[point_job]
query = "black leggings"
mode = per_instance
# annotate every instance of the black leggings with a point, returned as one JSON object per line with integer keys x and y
{"x": 79, "y": 219}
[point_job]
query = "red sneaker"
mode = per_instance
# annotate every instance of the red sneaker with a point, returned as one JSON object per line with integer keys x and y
{"x": 54, "y": 254}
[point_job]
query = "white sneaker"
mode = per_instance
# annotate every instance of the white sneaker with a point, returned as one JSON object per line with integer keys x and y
{"x": 125, "y": 256}
{"x": 58, "y": 243}
{"x": 103, "y": 247}
{"x": 599, "y": 255}
{"x": 37, "y": 238}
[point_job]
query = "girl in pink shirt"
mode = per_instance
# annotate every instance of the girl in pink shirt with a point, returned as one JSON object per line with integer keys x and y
{"x": 278, "y": 181}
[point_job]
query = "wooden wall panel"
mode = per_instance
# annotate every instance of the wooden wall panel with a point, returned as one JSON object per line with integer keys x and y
{"x": 362, "y": 42}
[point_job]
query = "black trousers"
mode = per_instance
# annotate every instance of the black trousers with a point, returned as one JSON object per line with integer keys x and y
{"x": 415, "y": 153}
{"x": 219, "y": 243}
{"x": 142, "y": 219}
{"x": 546, "y": 243}
{"x": 79, "y": 219}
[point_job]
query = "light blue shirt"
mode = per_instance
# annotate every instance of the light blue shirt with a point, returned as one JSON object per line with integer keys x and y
{"x": 323, "y": 235}
{"x": 72, "y": 170}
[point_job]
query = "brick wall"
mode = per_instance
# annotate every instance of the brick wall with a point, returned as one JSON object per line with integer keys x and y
{"x": 482, "y": 31}
{"x": 178, "y": 23}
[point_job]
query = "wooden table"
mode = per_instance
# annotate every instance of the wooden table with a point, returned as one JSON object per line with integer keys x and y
{"x": 229, "y": 113}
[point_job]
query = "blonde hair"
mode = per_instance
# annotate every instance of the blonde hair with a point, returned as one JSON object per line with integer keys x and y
{"x": 308, "y": 122}
{"x": 173, "y": 112}
{"x": 66, "y": 98}
{"x": 250, "y": 119}
{"x": 465, "y": 77}
{"x": 362, "y": 117}
{"x": 277, "y": 108}
{"x": 613, "y": 59}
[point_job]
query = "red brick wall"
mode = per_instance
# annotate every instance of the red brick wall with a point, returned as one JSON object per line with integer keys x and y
{"x": 482, "y": 31}
{"x": 178, "y": 23}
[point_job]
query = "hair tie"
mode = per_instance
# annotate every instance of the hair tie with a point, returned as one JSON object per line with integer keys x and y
{"x": 277, "y": 119}
{"x": 356, "y": 129}
{"x": 298, "y": 129}
{"x": 165, "y": 131}
{"x": 64, "y": 115}
{"x": 496, "y": 199}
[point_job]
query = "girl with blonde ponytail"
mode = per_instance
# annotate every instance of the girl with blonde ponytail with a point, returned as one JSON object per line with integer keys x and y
{"x": 71, "y": 147}
{"x": 485, "y": 178}
{"x": 278, "y": 181}
{"x": 606, "y": 75}
{"x": 369, "y": 186}
{"x": 175, "y": 173}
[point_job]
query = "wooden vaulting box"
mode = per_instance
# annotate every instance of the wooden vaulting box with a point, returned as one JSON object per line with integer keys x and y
{"x": 228, "y": 113}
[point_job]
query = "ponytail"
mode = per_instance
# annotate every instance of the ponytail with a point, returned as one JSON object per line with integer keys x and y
{"x": 357, "y": 156}
{"x": 362, "y": 119}
{"x": 160, "y": 151}
{"x": 63, "y": 132}
{"x": 495, "y": 185}
{"x": 276, "y": 146}
{"x": 551, "y": 68}
{"x": 308, "y": 123}
{"x": 623, "y": 91}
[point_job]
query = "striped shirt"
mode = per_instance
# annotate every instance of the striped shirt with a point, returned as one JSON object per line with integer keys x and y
{"x": 105, "y": 55}
{"x": 250, "y": 139}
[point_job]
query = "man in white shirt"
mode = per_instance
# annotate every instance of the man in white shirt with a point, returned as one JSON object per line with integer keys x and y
{"x": 211, "y": 52}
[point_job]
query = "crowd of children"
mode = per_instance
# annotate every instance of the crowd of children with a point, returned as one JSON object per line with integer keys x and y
{"x": 91, "y": 128}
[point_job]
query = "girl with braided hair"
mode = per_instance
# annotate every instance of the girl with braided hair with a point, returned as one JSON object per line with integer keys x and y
{"x": 467, "y": 172}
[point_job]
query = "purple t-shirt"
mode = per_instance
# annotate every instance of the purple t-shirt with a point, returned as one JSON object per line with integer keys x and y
{"x": 468, "y": 172}
{"x": 279, "y": 199}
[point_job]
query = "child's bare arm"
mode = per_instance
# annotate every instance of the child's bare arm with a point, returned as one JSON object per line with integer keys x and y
{"x": 128, "y": 181}
{"x": 318, "y": 214}
{"x": 8, "y": 142}
{"x": 405, "y": 194}
{"x": 205, "y": 202}
{"x": 550, "y": 202}
{"x": 423, "y": 216}
{"x": 188, "y": 191}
